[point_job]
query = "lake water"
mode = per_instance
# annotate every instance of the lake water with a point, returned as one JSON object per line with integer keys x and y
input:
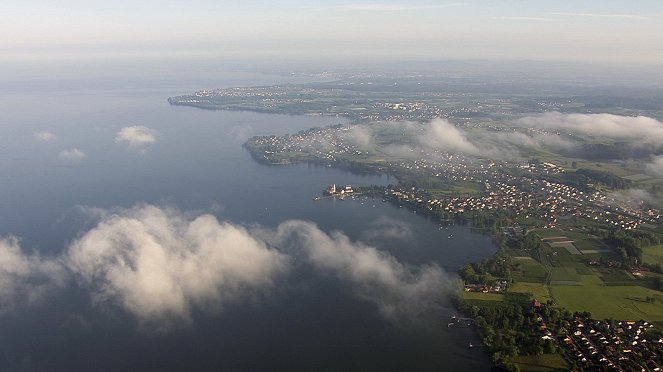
{"x": 197, "y": 165}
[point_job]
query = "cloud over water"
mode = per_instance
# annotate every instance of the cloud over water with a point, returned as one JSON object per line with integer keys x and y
{"x": 162, "y": 265}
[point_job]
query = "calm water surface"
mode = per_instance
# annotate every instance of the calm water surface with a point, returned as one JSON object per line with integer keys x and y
{"x": 198, "y": 165}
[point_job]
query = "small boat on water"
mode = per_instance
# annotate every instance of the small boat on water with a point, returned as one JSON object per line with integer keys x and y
{"x": 470, "y": 346}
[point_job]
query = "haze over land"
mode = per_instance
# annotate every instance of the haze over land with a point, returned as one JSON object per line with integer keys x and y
{"x": 120, "y": 36}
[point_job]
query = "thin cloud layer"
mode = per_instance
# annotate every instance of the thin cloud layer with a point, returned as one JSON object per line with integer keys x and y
{"x": 136, "y": 136}
{"x": 159, "y": 266}
{"x": 440, "y": 135}
{"x": 400, "y": 292}
{"x": 380, "y": 7}
{"x": 44, "y": 136}
{"x": 362, "y": 136}
{"x": 73, "y": 154}
{"x": 386, "y": 228}
{"x": 25, "y": 278}
{"x": 551, "y": 130}
{"x": 639, "y": 129}
{"x": 636, "y": 197}
{"x": 655, "y": 167}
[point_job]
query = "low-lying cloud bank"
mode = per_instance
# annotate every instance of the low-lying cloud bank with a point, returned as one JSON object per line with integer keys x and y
{"x": 160, "y": 265}
{"x": 399, "y": 291}
{"x": 641, "y": 129}
{"x": 636, "y": 197}
{"x": 655, "y": 167}
{"x": 553, "y": 130}
{"x": 442, "y": 135}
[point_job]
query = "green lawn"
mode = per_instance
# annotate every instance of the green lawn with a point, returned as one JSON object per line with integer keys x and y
{"x": 529, "y": 270}
{"x": 542, "y": 363}
{"x": 538, "y": 290}
{"x": 615, "y": 276}
{"x": 480, "y": 296}
{"x": 617, "y": 302}
{"x": 549, "y": 233}
{"x": 581, "y": 239}
{"x": 565, "y": 274}
{"x": 653, "y": 254}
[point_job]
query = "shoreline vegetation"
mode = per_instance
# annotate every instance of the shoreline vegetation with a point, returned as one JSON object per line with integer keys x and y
{"x": 577, "y": 279}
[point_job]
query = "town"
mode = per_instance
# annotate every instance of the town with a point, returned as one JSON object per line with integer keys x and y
{"x": 530, "y": 189}
{"x": 370, "y": 97}
{"x": 559, "y": 228}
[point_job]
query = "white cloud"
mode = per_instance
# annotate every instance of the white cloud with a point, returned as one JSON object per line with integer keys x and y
{"x": 640, "y": 129}
{"x": 159, "y": 265}
{"x": 44, "y": 136}
{"x": 655, "y": 167}
{"x": 73, "y": 154}
{"x": 25, "y": 278}
{"x": 136, "y": 136}
{"x": 444, "y": 136}
{"x": 636, "y": 197}
{"x": 362, "y": 136}
{"x": 401, "y": 292}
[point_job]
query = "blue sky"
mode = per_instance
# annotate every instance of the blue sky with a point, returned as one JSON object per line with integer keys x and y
{"x": 603, "y": 31}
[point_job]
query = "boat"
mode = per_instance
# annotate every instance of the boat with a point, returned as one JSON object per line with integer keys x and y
{"x": 470, "y": 345}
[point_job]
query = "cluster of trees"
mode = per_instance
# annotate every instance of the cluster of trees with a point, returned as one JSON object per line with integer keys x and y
{"x": 629, "y": 243}
{"x": 604, "y": 178}
{"x": 512, "y": 328}
{"x": 583, "y": 178}
{"x": 488, "y": 270}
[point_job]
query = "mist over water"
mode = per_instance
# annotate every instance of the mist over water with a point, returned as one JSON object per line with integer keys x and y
{"x": 101, "y": 176}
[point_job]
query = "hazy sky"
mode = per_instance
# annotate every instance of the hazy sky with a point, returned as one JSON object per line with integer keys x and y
{"x": 598, "y": 30}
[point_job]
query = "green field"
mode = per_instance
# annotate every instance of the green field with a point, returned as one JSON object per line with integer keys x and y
{"x": 541, "y": 363}
{"x": 565, "y": 274}
{"x": 617, "y": 302}
{"x": 653, "y": 255}
{"x": 615, "y": 276}
{"x": 480, "y": 296}
{"x": 539, "y": 291}
{"x": 530, "y": 270}
{"x": 581, "y": 240}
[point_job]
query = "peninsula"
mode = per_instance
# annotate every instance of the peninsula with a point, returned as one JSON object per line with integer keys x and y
{"x": 568, "y": 185}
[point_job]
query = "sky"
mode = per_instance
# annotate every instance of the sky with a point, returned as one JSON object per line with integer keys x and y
{"x": 559, "y": 30}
